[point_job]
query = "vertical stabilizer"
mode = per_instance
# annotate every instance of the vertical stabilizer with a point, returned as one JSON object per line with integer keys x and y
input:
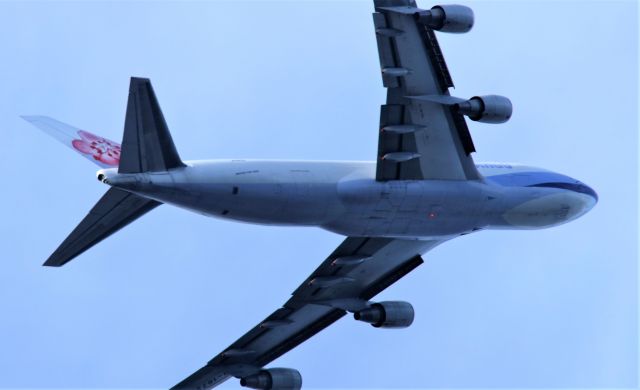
{"x": 146, "y": 142}
{"x": 101, "y": 151}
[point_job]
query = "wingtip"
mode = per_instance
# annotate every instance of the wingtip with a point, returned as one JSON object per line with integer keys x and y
{"x": 55, "y": 261}
{"x": 139, "y": 80}
{"x": 139, "y": 83}
{"x": 29, "y": 118}
{"x": 36, "y": 118}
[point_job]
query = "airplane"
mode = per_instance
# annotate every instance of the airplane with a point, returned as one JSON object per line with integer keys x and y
{"x": 423, "y": 189}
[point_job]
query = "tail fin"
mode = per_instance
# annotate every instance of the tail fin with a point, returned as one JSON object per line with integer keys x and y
{"x": 115, "y": 210}
{"x": 146, "y": 146}
{"x": 99, "y": 150}
{"x": 146, "y": 143}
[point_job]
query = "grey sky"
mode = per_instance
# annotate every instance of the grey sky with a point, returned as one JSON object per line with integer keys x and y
{"x": 548, "y": 308}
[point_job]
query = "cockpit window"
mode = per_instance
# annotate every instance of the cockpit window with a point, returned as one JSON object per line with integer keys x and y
{"x": 577, "y": 187}
{"x": 542, "y": 179}
{"x": 527, "y": 179}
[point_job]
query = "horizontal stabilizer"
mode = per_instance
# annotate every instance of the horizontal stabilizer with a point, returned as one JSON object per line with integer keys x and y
{"x": 115, "y": 210}
{"x": 146, "y": 143}
{"x": 99, "y": 150}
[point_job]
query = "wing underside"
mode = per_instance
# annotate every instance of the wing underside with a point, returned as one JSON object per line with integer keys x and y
{"x": 420, "y": 138}
{"x": 355, "y": 272}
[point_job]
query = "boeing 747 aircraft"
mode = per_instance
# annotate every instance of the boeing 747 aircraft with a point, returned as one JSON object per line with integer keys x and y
{"x": 423, "y": 189}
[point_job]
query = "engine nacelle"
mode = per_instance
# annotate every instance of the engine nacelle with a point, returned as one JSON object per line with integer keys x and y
{"x": 274, "y": 378}
{"x": 392, "y": 314}
{"x": 487, "y": 109}
{"x": 447, "y": 18}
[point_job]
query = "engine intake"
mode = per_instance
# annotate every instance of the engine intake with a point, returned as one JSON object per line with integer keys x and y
{"x": 447, "y": 18}
{"x": 392, "y": 314}
{"x": 274, "y": 378}
{"x": 487, "y": 109}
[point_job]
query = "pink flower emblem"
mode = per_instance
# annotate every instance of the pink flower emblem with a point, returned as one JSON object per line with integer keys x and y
{"x": 101, "y": 149}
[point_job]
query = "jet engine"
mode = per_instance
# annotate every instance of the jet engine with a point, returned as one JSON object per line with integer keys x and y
{"x": 274, "y": 378}
{"x": 447, "y": 18}
{"x": 391, "y": 314}
{"x": 487, "y": 109}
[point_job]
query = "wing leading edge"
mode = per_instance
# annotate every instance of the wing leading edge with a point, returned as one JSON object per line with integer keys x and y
{"x": 355, "y": 272}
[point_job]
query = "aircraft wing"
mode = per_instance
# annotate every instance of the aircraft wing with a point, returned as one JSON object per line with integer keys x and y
{"x": 355, "y": 272}
{"x": 421, "y": 135}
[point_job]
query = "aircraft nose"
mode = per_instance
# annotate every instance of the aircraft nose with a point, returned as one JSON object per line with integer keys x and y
{"x": 581, "y": 198}
{"x": 586, "y": 198}
{"x": 585, "y": 189}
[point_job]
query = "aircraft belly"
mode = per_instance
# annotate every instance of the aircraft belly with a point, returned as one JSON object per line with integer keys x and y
{"x": 410, "y": 209}
{"x": 286, "y": 204}
{"x": 296, "y": 194}
{"x": 345, "y": 199}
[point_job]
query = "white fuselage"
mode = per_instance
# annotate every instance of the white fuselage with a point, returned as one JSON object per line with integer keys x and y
{"x": 345, "y": 198}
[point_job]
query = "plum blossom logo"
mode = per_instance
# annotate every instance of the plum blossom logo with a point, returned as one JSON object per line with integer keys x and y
{"x": 101, "y": 149}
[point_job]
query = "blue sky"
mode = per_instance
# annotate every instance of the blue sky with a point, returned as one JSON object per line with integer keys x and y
{"x": 300, "y": 80}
